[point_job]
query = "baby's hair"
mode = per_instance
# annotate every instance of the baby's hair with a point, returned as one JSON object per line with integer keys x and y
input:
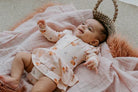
{"x": 108, "y": 24}
{"x": 103, "y": 33}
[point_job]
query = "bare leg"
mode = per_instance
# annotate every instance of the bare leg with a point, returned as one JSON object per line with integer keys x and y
{"x": 44, "y": 84}
{"x": 21, "y": 61}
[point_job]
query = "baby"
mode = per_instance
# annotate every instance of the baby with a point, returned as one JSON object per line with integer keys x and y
{"x": 53, "y": 67}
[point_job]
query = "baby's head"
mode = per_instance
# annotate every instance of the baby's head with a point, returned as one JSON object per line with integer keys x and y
{"x": 92, "y": 32}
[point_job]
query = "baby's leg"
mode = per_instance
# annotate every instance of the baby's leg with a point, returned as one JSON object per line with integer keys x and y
{"x": 44, "y": 84}
{"x": 21, "y": 61}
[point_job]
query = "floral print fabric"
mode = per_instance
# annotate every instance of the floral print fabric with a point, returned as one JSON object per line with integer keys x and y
{"x": 59, "y": 61}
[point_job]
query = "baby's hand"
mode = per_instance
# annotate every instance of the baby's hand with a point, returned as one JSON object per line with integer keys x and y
{"x": 42, "y": 25}
{"x": 92, "y": 64}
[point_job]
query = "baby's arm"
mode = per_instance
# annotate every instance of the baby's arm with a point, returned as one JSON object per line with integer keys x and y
{"x": 49, "y": 33}
{"x": 92, "y": 58}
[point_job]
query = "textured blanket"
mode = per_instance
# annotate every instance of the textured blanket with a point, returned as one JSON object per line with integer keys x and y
{"x": 118, "y": 74}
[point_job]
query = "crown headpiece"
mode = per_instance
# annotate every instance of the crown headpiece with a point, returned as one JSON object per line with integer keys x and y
{"x": 107, "y": 22}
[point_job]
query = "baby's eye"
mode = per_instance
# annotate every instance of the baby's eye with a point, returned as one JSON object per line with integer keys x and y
{"x": 89, "y": 28}
{"x": 83, "y": 23}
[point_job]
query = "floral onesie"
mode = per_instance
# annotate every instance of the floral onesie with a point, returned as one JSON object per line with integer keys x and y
{"x": 58, "y": 61}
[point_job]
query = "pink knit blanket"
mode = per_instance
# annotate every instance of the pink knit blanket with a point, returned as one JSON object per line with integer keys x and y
{"x": 114, "y": 74}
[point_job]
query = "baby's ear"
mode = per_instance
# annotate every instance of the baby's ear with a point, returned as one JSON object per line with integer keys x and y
{"x": 95, "y": 42}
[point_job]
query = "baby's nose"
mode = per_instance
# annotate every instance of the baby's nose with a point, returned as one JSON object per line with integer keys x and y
{"x": 83, "y": 26}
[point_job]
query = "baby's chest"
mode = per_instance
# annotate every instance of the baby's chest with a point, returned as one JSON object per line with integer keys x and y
{"x": 72, "y": 52}
{"x": 71, "y": 48}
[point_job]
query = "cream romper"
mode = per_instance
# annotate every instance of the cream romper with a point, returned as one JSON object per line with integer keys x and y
{"x": 58, "y": 61}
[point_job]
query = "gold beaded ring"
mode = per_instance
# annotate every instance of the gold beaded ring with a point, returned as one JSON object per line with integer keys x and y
{"x": 104, "y": 19}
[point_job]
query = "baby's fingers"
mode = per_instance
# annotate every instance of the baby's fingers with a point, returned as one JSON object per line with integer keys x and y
{"x": 41, "y": 22}
{"x": 90, "y": 66}
{"x": 87, "y": 63}
{"x": 96, "y": 70}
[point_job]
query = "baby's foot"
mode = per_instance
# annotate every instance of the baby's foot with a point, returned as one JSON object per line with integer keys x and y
{"x": 42, "y": 25}
{"x": 9, "y": 81}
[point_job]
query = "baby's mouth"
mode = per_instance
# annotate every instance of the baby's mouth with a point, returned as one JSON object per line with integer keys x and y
{"x": 81, "y": 30}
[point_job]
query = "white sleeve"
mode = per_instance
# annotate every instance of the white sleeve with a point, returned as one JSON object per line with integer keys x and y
{"x": 54, "y": 36}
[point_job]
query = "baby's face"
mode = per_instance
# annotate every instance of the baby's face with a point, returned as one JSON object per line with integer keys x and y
{"x": 89, "y": 30}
